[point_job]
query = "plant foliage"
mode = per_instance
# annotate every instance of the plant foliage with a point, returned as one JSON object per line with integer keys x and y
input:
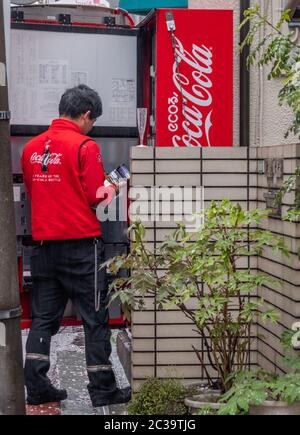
{"x": 159, "y": 397}
{"x": 199, "y": 273}
{"x": 278, "y": 51}
{"x": 254, "y": 387}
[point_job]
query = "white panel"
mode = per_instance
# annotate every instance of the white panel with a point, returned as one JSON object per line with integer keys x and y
{"x": 44, "y": 64}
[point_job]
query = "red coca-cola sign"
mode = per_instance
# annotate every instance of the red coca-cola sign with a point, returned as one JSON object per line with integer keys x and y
{"x": 194, "y": 79}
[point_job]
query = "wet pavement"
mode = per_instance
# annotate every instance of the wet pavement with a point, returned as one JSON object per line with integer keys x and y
{"x": 68, "y": 370}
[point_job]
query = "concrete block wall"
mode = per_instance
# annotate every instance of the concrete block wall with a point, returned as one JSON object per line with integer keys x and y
{"x": 286, "y": 297}
{"x": 162, "y": 340}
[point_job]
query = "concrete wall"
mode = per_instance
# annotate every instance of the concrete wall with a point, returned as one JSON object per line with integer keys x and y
{"x": 284, "y": 298}
{"x": 269, "y": 122}
{"x": 162, "y": 340}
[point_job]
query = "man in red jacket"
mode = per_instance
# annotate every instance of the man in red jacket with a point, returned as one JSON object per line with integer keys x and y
{"x": 63, "y": 171}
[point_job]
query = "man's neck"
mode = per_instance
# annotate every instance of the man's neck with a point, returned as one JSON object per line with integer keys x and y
{"x": 67, "y": 118}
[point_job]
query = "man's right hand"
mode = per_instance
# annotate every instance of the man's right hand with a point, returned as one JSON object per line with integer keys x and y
{"x": 106, "y": 194}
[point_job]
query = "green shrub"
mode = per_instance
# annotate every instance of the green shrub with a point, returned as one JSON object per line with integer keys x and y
{"x": 206, "y": 410}
{"x": 211, "y": 255}
{"x": 159, "y": 397}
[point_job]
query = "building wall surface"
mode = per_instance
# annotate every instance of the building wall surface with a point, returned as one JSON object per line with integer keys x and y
{"x": 269, "y": 122}
{"x": 162, "y": 340}
{"x": 284, "y": 297}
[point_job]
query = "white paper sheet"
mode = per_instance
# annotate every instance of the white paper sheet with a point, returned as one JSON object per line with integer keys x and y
{"x": 44, "y": 64}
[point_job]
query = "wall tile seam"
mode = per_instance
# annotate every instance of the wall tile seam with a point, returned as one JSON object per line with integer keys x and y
{"x": 279, "y": 324}
{"x": 138, "y": 328}
{"x": 189, "y": 172}
{"x": 174, "y": 324}
{"x": 217, "y": 160}
{"x": 141, "y": 351}
{"x": 174, "y": 350}
{"x": 271, "y": 260}
{"x": 181, "y": 365}
{"x": 288, "y": 236}
{"x": 295, "y": 301}
{"x": 270, "y": 332}
{"x": 178, "y": 311}
{"x": 293, "y": 254}
{"x": 185, "y": 380}
{"x": 294, "y": 317}
{"x": 261, "y": 341}
{"x": 276, "y": 367}
{"x": 193, "y": 337}
{"x": 277, "y": 277}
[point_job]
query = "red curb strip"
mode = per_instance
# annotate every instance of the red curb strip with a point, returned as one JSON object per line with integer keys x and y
{"x": 52, "y": 408}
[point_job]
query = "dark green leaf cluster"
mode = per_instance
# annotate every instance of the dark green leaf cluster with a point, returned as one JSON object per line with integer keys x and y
{"x": 277, "y": 50}
{"x": 255, "y": 387}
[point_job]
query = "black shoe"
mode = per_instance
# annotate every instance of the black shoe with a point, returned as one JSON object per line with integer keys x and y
{"x": 120, "y": 396}
{"x": 52, "y": 394}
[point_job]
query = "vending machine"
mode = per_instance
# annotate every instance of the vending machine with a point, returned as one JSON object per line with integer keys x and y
{"x": 188, "y": 77}
{"x": 167, "y": 82}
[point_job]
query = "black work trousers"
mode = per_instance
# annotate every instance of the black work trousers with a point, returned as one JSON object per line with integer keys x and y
{"x": 63, "y": 270}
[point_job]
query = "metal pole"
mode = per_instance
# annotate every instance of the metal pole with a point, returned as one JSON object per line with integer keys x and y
{"x": 244, "y": 84}
{"x": 12, "y": 400}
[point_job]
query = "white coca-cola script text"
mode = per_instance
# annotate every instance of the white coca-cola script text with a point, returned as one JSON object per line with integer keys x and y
{"x": 192, "y": 79}
{"x": 54, "y": 159}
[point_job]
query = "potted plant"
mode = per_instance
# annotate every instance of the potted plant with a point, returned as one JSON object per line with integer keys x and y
{"x": 263, "y": 393}
{"x": 203, "y": 265}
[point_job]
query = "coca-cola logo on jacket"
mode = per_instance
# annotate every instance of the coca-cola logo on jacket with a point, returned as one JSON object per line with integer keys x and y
{"x": 192, "y": 79}
{"x": 54, "y": 159}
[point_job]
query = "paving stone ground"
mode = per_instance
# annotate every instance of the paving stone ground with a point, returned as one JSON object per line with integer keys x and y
{"x": 68, "y": 370}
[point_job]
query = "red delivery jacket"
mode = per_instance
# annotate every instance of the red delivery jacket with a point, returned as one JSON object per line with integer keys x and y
{"x": 61, "y": 198}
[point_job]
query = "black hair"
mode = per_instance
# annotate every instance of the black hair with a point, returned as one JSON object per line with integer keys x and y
{"x": 79, "y": 100}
